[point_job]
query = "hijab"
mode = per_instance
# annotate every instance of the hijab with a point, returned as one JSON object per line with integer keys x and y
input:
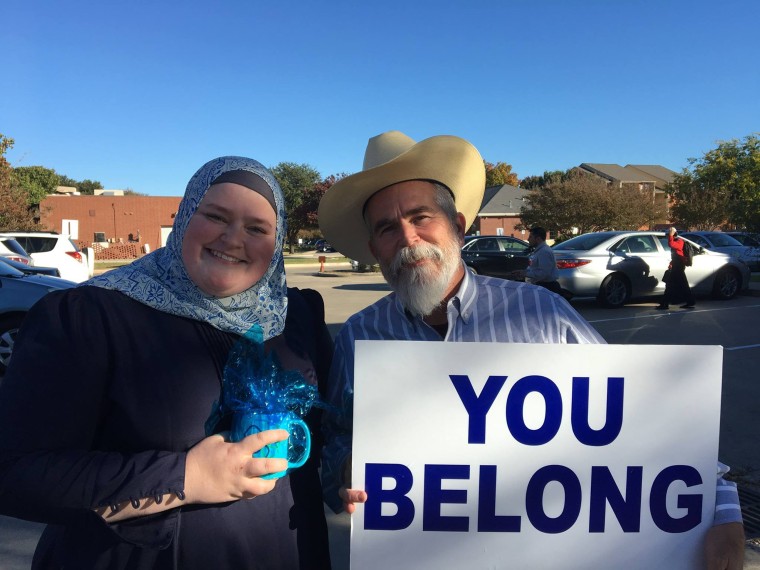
{"x": 160, "y": 280}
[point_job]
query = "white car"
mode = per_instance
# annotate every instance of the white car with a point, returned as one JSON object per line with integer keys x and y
{"x": 54, "y": 250}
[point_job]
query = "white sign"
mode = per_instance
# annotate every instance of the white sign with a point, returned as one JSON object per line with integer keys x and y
{"x": 488, "y": 455}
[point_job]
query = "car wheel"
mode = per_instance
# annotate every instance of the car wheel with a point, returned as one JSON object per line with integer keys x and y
{"x": 614, "y": 292}
{"x": 727, "y": 284}
{"x": 8, "y": 330}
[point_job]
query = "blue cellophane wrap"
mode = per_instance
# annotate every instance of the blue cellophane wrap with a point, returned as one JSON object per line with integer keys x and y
{"x": 254, "y": 380}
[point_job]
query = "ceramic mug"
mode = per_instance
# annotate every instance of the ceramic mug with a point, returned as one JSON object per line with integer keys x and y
{"x": 295, "y": 448}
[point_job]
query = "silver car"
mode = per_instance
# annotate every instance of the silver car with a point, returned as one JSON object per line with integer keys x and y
{"x": 726, "y": 243}
{"x": 617, "y": 266}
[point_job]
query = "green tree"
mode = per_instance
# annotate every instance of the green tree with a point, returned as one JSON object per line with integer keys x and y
{"x": 531, "y": 182}
{"x": 83, "y": 187}
{"x": 15, "y": 213}
{"x": 88, "y": 186}
{"x": 499, "y": 173}
{"x": 722, "y": 188}
{"x": 296, "y": 181}
{"x": 36, "y": 181}
{"x": 586, "y": 203}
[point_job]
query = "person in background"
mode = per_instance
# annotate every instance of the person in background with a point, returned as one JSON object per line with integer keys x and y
{"x": 543, "y": 267}
{"x": 677, "y": 285}
{"x": 408, "y": 210}
{"x": 103, "y": 407}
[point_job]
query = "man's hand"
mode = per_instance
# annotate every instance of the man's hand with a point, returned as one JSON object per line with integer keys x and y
{"x": 351, "y": 497}
{"x": 724, "y": 547}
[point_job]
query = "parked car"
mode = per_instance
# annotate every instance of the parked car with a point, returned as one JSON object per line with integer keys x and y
{"x": 18, "y": 292}
{"x": 752, "y": 241}
{"x": 725, "y": 243}
{"x": 11, "y": 249}
{"x": 746, "y": 238}
{"x": 30, "y": 269}
{"x": 324, "y": 247}
{"x": 496, "y": 256}
{"x": 618, "y": 266}
{"x": 54, "y": 250}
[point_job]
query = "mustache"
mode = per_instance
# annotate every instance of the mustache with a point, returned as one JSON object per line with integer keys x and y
{"x": 412, "y": 254}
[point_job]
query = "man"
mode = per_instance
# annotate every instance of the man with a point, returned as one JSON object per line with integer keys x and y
{"x": 677, "y": 286}
{"x": 408, "y": 210}
{"x": 543, "y": 267}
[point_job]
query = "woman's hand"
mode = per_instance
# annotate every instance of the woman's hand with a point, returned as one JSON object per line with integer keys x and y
{"x": 218, "y": 471}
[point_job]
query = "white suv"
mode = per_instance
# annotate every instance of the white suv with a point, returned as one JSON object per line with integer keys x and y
{"x": 54, "y": 250}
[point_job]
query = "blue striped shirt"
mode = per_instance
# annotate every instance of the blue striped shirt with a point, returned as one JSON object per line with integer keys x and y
{"x": 484, "y": 309}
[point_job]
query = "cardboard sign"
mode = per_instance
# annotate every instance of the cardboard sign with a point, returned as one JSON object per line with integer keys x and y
{"x": 489, "y": 455}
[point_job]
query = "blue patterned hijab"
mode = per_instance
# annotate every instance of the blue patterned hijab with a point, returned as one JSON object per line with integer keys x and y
{"x": 159, "y": 279}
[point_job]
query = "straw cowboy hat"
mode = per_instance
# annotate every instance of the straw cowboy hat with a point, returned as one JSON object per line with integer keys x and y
{"x": 390, "y": 158}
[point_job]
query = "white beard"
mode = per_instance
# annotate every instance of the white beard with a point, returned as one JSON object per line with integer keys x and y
{"x": 421, "y": 289}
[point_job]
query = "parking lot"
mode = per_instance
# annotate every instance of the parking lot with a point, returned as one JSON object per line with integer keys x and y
{"x": 732, "y": 324}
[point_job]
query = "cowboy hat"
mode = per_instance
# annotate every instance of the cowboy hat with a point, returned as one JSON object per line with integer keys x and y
{"x": 390, "y": 158}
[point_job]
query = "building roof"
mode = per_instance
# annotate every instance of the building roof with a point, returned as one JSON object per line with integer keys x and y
{"x": 504, "y": 200}
{"x": 660, "y": 173}
{"x": 631, "y": 173}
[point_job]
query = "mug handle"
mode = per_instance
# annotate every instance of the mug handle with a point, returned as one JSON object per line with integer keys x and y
{"x": 297, "y": 424}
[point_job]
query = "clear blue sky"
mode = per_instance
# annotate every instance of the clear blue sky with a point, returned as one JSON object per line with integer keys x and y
{"x": 140, "y": 94}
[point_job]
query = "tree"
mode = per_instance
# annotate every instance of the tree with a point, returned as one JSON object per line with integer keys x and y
{"x": 720, "y": 189}
{"x": 296, "y": 180}
{"x": 581, "y": 202}
{"x": 36, "y": 181}
{"x": 15, "y": 213}
{"x": 84, "y": 187}
{"x": 531, "y": 182}
{"x": 88, "y": 186}
{"x": 499, "y": 173}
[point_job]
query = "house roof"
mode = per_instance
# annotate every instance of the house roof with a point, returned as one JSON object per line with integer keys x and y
{"x": 659, "y": 175}
{"x": 504, "y": 200}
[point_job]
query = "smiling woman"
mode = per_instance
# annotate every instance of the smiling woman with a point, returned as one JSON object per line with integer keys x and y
{"x": 230, "y": 240}
{"x": 145, "y": 487}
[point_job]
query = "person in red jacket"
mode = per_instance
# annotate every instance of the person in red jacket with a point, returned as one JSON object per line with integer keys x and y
{"x": 677, "y": 286}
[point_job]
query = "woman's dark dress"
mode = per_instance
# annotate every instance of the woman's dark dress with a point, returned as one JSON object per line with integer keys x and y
{"x": 102, "y": 400}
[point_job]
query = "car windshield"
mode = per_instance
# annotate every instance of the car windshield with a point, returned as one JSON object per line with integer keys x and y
{"x": 15, "y": 247}
{"x": 722, "y": 240}
{"x": 584, "y": 242}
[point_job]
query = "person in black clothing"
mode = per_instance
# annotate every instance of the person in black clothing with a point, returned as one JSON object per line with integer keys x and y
{"x": 103, "y": 406}
{"x": 677, "y": 286}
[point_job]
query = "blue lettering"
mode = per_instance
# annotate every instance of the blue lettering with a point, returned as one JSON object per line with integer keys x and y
{"x": 434, "y": 496}
{"x": 534, "y": 499}
{"x": 604, "y": 490}
{"x": 488, "y": 520}
{"x": 692, "y": 503}
{"x": 477, "y": 406}
{"x": 579, "y": 412}
{"x": 376, "y": 496}
{"x": 516, "y": 404}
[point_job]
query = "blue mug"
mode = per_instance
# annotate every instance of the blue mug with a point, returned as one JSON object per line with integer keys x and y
{"x": 295, "y": 448}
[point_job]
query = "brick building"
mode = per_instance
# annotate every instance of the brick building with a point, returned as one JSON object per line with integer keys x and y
{"x": 108, "y": 220}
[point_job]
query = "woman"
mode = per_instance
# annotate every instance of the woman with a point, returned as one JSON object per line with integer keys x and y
{"x": 677, "y": 285}
{"x": 102, "y": 409}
